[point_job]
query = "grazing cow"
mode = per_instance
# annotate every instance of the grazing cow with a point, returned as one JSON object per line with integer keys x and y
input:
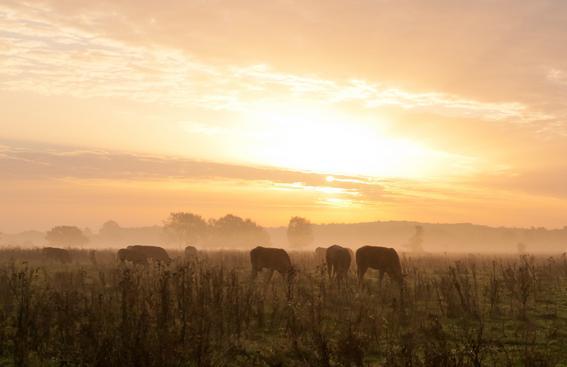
{"x": 384, "y": 259}
{"x": 152, "y": 252}
{"x": 191, "y": 253}
{"x": 338, "y": 261}
{"x": 135, "y": 257}
{"x": 57, "y": 254}
{"x": 272, "y": 259}
{"x": 320, "y": 254}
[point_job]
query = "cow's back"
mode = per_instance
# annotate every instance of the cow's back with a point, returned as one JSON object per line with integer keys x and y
{"x": 339, "y": 257}
{"x": 58, "y": 254}
{"x": 152, "y": 252}
{"x": 191, "y": 252}
{"x": 136, "y": 257}
{"x": 377, "y": 257}
{"x": 270, "y": 258}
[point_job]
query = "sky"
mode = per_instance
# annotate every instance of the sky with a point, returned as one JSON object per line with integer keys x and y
{"x": 339, "y": 111}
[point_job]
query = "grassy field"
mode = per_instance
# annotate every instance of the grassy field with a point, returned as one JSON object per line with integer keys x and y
{"x": 454, "y": 311}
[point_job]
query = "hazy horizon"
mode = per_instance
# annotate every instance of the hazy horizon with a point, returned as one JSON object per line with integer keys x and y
{"x": 95, "y": 227}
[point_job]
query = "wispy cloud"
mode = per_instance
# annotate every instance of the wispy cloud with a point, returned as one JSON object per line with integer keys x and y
{"x": 33, "y": 161}
{"x": 43, "y": 55}
{"x": 557, "y": 76}
{"x": 21, "y": 160}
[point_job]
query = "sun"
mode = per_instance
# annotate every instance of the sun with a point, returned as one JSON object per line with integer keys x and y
{"x": 325, "y": 140}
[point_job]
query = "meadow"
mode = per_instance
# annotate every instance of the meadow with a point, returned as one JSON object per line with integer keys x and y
{"x": 454, "y": 310}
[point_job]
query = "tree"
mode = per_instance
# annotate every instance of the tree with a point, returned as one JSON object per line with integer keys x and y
{"x": 234, "y": 231}
{"x": 188, "y": 228}
{"x": 299, "y": 232}
{"x": 110, "y": 232}
{"x": 110, "y": 229}
{"x": 67, "y": 236}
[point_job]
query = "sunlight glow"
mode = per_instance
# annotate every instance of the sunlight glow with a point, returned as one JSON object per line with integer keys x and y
{"x": 329, "y": 141}
{"x": 318, "y": 189}
{"x": 337, "y": 202}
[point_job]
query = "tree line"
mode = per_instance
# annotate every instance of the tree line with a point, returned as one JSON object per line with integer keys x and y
{"x": 185, "y": 228}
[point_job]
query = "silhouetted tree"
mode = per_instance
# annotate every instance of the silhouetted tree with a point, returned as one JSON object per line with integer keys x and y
{"x": 66, "y": 236}
{"x": 188, "y": 228}
{"x": 110, "y": 229}
{"x": 232, "y": 230}
{"x": 299, "y": 232}
{"x": 110, "y": 232}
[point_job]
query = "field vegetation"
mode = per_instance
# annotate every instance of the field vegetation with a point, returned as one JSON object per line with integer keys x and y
{"x": 454, "y": 310}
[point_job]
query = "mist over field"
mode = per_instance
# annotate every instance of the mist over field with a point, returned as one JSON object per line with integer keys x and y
{"x": 436, "y": 238}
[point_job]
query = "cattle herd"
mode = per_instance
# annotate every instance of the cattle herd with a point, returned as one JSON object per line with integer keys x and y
{"x": 337, "y": 259}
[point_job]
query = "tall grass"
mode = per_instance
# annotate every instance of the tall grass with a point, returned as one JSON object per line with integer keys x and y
{"x": 461, "y": 311}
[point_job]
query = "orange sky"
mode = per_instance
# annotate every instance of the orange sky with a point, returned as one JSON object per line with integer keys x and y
{"x": 437, "y": 111}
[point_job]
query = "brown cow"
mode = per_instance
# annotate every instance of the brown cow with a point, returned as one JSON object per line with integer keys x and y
{"x": 152, "y": 252}
{"x": 135, "y": 257}
{"x": 272, "y": 259}
{"x": 384, "y": 259}
{"x": 57, "y": 254}
{"x": 191, "y": 253}
{"x": 338, "y": 261}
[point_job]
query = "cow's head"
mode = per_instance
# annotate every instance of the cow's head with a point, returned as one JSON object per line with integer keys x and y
{"x": 122, "y": 254}
{"x": 399, "y": 278}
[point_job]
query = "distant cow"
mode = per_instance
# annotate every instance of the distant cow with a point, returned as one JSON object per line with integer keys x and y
{"x": 57, "y": 254}
{"x": 338, "y": 261}
{"x": 384, "y": 259}
{"x": 272, "y": 259}
{"x": 152, "y": 252}
{"x": 320, "y": 253}
{"x": 191, "y": 252}
{"x": 136, "y": 257}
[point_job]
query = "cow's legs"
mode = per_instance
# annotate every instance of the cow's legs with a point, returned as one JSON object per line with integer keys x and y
{"x": 270, "y": 275}
{"x": 381, "y": 278}
{"x": 330, "y": 270}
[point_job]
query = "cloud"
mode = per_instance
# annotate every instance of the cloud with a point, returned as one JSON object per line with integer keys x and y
{"x": 40, "y": 162}
{"x": 34, "y": 161}
{"x": 557, "y": 76}
{"x": 98, "y": 183}
{"x": 22, "y": 160}
{"x": 43, "y": 53}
